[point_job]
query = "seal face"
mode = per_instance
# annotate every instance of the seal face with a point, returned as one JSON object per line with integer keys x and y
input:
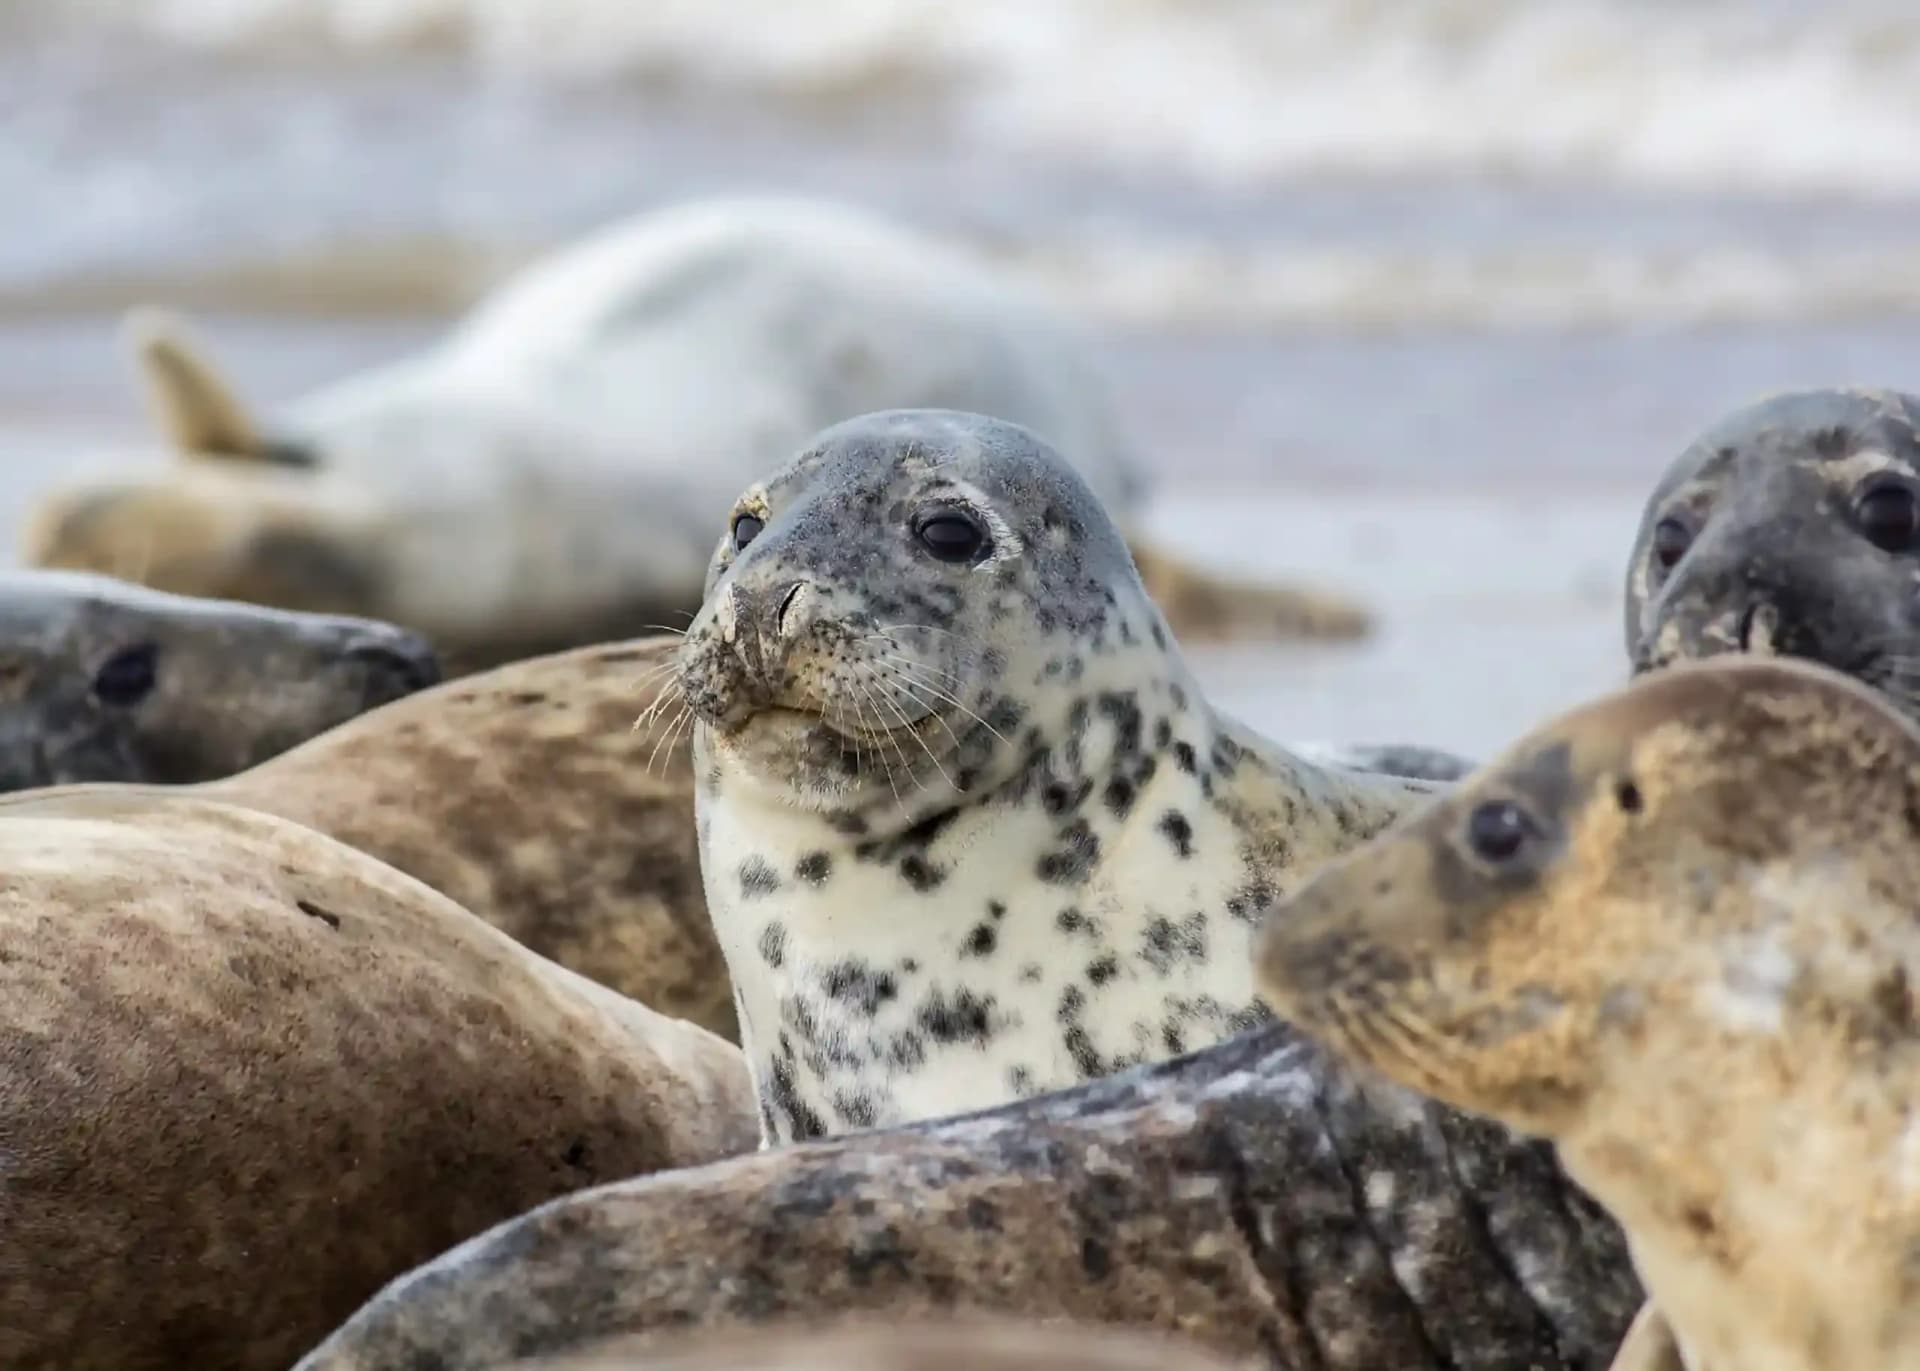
{"x": 1791, "y": 527}
{"x": 103, "y": 680}
{"x": 1675, "y": 933}
{"x": 968, "y": 829}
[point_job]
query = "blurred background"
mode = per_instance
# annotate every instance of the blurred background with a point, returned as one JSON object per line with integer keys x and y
{"x": 1414, "y": 296}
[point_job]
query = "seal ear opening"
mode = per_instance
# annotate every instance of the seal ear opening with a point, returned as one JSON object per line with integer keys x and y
{"x": 194, "y": 408}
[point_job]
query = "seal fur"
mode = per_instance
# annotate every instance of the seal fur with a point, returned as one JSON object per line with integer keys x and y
{"x": 968, "y": 828}
{"x": 1253, "y": 1197}
{"x": 1675, "y": 932}
{"x": 542, "y": 476}
{"x": 104, "y": 680}
{"x": 247, "y": 1074}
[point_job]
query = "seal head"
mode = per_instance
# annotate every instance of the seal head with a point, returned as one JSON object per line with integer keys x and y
{"x": 102, "y": 680}
{"x": 1674, "y": 932}
{"x": 1791, "y": 527}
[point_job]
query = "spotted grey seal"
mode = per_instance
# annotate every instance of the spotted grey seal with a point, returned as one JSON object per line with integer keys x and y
{"x": 104, "y": 680}
{"x": 1253, "y": 1197}
{"x": 968, "y": 828}
{"x": 1790, "y": 527}
{"x": 1676, "y": 933}
{"x": 544, "y": 475}
{"x": 248, "y": 1074}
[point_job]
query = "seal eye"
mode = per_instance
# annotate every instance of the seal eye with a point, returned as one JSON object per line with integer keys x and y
{"x": 127, "y": 677}
{"x": 1496, "y": 831}
{"x": 1890, "y": 516}
{"x": 1671, "y": 539}
{"x": 745, "y": 529}
{"x": 950, "y": 535}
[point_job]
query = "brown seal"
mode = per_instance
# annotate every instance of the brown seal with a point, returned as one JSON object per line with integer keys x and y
{"x": 526, "y": 795}
{"x": 882, "y": 1345}
{"x": 1253, "y": 1198}
{"x": 104, "y": 680}
{"x": 1674, "y": 932}
{"x": 247, "y": 1074}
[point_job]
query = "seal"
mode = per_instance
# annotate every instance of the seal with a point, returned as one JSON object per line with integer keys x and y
{"x": 1674, "y": 932}
{"x": 543, "y": 476}
{"x": 526, "y": 796}
{"x": 885, "y": 1345}
{"x": 968, "y": 828}
{"x": 249, "y": 1074}
{"x": 1791, "y": 527}
{"x": 1255, "y": 1198}
{"x": 103, "y": 680}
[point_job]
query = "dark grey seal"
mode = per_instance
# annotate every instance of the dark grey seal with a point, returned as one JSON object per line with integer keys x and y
{"x": 1253, "y": 1197}
{"x": 103, "y": 680}
{"x": 1791, "y": 527}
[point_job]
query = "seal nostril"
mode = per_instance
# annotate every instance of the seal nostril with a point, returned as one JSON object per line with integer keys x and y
{"x": 401, "y": 668}
{"x": 786, "y": 603}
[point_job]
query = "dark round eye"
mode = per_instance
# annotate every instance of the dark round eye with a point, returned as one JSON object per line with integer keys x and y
{"x": 1671, "y": 539}
{"x": 950, "y": 535}
{"x": 745, "y": 529}
{"x": 1889, "y": 515}
{"x": 127, "y": 677}
{"x": 1496, "y": 831}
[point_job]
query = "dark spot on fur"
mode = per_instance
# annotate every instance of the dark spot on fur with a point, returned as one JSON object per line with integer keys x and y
{"x": 1178, "y": 831}
{"x": 576, "y": 1154}
{"x": 757, "y": 878}
{"x": 961, "y": 1017}
{"x": 1073, "y": 862}
{"x": 527, "y": 697}
{"x": 1103, "y": 970}
{"x": 854, "y": 983}
{"x": 980, "y": 942}
{"x": 920, "y": 874}
{"x": 1162, "y": 735}
{"x": 814, "y": 868}
{"x": 1119, "y": 797}
{"x": 314, "y": 911}
{"x": 773, "y": 944}
{"x": 1183, "y": 757}
{"x": 1095, "y": 1259}
{"x": 1628, "y": 794}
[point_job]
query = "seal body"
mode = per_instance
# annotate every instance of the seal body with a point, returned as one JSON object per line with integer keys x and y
{"x": 1675, "y": 932}
{"x": 968, "y": 829}
{"x": 1791, "y": 527}
{"x": 248, "y": 1074}
{"x": 1253, "y": 1197}
{"x": 544, "y": 476}
{"x": 105, "y": 680}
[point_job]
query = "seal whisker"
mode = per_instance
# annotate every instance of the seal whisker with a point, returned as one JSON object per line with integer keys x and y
{"x": 686, "y": 711}
{"x": 880, "y": 695}
{"x": 667, "y": 628}
{"x": 672, "y": 693}
{"x": 938, "y": 694}
{"x": 893, "y": 703}
{"x": 932, "y": 713}
{"x": 938, "y": 673}
{"x": 879, "y": 751}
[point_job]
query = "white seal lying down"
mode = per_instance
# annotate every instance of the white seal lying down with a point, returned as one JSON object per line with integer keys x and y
{"x": 549, "y": 473}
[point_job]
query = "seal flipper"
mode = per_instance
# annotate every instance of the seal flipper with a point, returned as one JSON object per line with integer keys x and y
{"x": 1203, "y": 606}
{"x": 194, "y": 408}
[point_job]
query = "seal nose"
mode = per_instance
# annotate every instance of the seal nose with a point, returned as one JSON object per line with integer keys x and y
{"x": 396, "y": 664}
{"x": 1759, "y": 628}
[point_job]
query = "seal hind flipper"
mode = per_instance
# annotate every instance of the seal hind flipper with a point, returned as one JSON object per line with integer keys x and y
{"x": 193, "y": 406}
{"x": 1205, "y": 606}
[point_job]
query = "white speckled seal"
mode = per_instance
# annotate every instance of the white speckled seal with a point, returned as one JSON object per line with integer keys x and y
{"x": 969, "y": 831}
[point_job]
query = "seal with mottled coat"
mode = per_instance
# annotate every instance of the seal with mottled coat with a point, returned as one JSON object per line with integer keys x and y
{"x": 969, "y": 829}
{"x": 545, "y": 475}
{"x": 104, "y": 680}
{"x": 248, "y": 1074}
{"x": 1791, "y": 527}
{"x": 1677, "y": 933}
{"x": 1253, "y": 1197}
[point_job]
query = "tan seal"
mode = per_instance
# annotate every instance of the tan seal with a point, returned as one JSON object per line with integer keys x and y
{"x": 526, "y": 795}
{"x": 544, "y": 475}
{"x": 1675, "y": 932}
{"x": 247, "y": 1074}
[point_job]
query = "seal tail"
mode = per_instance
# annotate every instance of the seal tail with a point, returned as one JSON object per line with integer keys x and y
{"x": 1202, "y": 606}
